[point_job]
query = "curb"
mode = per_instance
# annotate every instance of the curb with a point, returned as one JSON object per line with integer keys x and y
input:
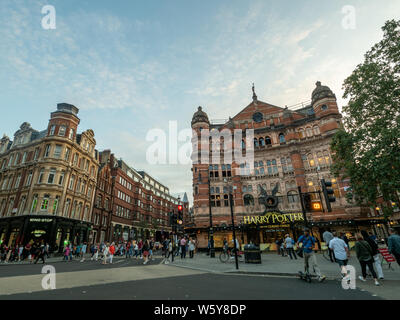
{"x": 282, "y": 274}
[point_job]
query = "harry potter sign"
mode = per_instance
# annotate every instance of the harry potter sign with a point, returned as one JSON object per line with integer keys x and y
{"x": 273, "y": 218}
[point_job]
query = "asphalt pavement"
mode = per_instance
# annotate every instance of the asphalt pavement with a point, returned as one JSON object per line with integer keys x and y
{"x": 14, "y": 270}
{"x": 203, "y": 287}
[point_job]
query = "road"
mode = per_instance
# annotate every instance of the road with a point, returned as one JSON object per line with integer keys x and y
{"x": 131, "y": 280}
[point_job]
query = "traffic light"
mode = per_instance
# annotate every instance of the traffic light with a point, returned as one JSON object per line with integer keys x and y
{"x": 307, "y": 202}
{"x": 180, "y": 214}
{"x": 172, "y": 219}
{"x": 316, "y": 206}
{"x": 328, "y": 193}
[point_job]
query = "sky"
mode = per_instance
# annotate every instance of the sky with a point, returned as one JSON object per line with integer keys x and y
{"x": 132, "y": 66}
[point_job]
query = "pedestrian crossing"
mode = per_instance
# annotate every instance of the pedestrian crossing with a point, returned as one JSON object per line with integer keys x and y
{"x": 64, "y": 280}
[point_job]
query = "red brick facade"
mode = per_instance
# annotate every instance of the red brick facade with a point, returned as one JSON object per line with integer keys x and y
{"x": 291, "y": 149}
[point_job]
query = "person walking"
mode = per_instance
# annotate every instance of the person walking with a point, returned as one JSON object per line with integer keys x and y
{"x": 183, "y": 248}
{"x": 105, "y": 253}
{"x": 375, "y": 254}
{"x": 289, "y": 243}
{"x": 151, "y": 248}
{"x": 111, "y": 252}
{"x": 328, "y": 236}
{"x": 140, "y": 247}
{"x": 146, "y": 248}
{"x": 308, "y": 242}
{"x": 40, "y": 253}
{"x": 394, "y": 244}
{"x": 95, "y": 252}
{"x": 83, "y": 251}
{"x": 192, "y": 247}
{"x": 341, "y": 252}
{"x": 136, "y": 249}
{"x": 66, "y": 253}
{"x": 365, "y": 257}
{"x": 20, "y": 252}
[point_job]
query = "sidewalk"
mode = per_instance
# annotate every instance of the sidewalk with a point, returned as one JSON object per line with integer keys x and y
{"x": 274, "y": 264}
{"x": 54, "y": 260}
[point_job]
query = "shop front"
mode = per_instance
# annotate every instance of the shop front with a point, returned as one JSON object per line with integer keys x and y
{"x": 265, "y": 230}
{"x": 56, "y": 231}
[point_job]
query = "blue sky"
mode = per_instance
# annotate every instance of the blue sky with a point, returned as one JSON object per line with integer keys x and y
{"x": 130, "y": 66}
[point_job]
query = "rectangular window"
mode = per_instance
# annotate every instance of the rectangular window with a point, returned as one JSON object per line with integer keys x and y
{"x": 62, "y": 130}
{"x": 71, "y": 134}
{"x": 52, "y": 176}
{"x": 36, "y": 154}
{"x": 18, "y": 181}
{"x": 67, "y": 152}
{"x": 34, "y": 204}
{"x": 40, "y": 179}
{"x": 47, "y": 152}
{"x": 10, "y": 161}
{"x": 71, "y": 182}
{"x": 61, "y": 178}
{"x": 52, "y": 130}
{"x": 57, "y": 152}
{"x": 29, "y": 180}
{"x": 24, "y": 157}
{"x": 55, "y": 205}
{"x": 45, "y": 204}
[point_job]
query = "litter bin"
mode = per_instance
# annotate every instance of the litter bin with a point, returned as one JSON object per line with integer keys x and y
{"x": 252, "y": 254}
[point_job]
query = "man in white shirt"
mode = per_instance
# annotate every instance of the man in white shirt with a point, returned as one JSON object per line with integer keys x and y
{"x": 341, "y": 251}
{"x": 289, "y": 243}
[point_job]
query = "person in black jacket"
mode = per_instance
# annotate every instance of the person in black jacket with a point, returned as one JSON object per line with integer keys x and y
{"x": 375, "y": 253}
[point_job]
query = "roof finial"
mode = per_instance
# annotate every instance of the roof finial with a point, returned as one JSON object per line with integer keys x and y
{"x": 254, "y": 93}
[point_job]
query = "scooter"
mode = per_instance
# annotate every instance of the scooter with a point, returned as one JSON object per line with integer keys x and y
{"x": 307, "y": 276}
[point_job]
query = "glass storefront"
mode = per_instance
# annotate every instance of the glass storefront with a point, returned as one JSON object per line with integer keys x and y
{"x": 13, "y": 237}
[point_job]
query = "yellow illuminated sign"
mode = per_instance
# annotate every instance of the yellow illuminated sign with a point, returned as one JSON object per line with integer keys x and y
{"x": 316, "y": 206}
{"x": 274, "y": 218}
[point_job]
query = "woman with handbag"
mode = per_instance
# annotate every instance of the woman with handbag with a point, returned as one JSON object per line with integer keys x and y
{"x": 365, "y": 257}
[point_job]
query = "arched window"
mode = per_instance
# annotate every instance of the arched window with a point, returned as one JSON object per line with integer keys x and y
{"x": 292, "y": 197}
{"x": 311, "y": 160}
{"x": 327, "y": 157}
{"x": 301, "y": 133}
{"x": 226, "y": 200}
{"x": 255, "y": 143}
{"x": 309, "y": 132}
{"x": 316, "y": 130}
{"x": 268, "y": 141}
{"x": 248, "y": 200}
{"x": 321, "y": 159}
{"x": 282, "y": 138}
{"x": 262, "y": 142}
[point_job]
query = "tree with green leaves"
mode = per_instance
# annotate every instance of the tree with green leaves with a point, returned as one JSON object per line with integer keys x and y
{"x": 367, "y": 150}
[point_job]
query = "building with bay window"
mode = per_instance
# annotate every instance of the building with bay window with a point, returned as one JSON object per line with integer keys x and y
{"x": 48, "y": 182}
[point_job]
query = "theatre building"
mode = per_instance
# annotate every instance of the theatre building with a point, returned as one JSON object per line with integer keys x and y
{"x": 48, "y": 182}
{"x": 291, "y": 150}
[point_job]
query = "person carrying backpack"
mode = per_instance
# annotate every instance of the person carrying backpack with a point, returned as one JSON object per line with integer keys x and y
{"x": 365, "y": 257}
{"x": 308, "y": 242}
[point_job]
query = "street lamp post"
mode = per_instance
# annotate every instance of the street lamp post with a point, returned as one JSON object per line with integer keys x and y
{"x": 212, "y": 249}
{"x": 234, "y": 232}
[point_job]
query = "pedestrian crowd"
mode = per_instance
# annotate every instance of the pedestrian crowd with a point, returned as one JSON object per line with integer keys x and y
{"x": 106, "y": 251}
{"x": 366, "y": 250}
{"x": 178, "y": 247}
{"x": 32, "y": 251}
